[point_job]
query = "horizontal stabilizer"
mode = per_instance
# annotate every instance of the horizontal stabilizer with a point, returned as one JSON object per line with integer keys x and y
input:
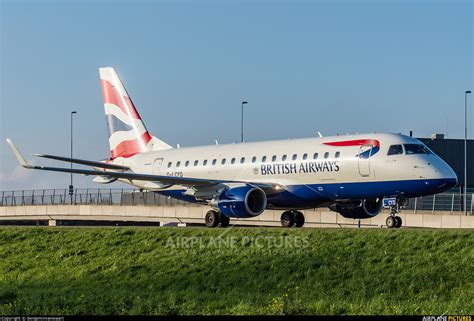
{"x": 84, "y": 162}
{"x": 104, "y": 179}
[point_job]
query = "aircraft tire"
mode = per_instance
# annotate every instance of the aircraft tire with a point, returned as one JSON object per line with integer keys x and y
{"x": 399, "y": 222}
{"x": 299, "y": 219}
{"x": 391, "y": 221}
{"x": 287, "y": 219}
{"x": 224, "y": 220}
{"x": 212, "y": 218}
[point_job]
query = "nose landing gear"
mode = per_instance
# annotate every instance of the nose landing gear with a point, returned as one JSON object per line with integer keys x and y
{"x": 395, "y": 221}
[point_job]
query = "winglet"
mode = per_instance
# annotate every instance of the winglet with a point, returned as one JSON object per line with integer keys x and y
{"x": 18, "y": 156}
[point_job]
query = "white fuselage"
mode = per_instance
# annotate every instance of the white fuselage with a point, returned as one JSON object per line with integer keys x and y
{"x": 317, "y": 164}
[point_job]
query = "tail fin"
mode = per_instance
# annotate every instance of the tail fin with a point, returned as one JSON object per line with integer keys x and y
{"x": 127, "y": 132}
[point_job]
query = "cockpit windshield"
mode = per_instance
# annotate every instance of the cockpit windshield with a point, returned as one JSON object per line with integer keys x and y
{"x": 395, "y": 150}
{"x": 411, "y": 149}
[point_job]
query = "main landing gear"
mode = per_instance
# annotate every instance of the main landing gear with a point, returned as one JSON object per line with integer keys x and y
{"x": 394, "y": 221}
{"x": 214, "y": 218}
{"x": 290, "y": 218}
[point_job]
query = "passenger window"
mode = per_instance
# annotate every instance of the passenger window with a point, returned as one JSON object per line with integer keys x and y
{"x": 254, "y": 159}
{"x": 196, "y": 162}
{"x": 232, "y": 161}
{"x": 326, "y": 155}
{"x": 274, "y": 158}
{"x": 295, "y": 156}
{"x": 214, "y": 161}
{"x": 283, "y": 158}
{"x": 169, "y": 164}
{"x": 223, "y": 161}
{"x": 305, "y": 156}
{"x": 178, "y": 163}
{"x": 315, "y": 156}
{"x": 395, "y": 150}
{"x": 242, "y": 160}
{"x": 186, "y": 164}
{"x": 338, "y": 154}
{"x": 204, "y": 163}
{"x": 264, "y": 159}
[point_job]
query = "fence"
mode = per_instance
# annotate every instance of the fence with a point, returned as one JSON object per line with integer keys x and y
{"x": 97, "y": 196}
{"x": 448, "y": 201}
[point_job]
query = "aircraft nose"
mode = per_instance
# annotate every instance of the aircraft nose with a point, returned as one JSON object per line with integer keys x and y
{"x": 448, "y": 177}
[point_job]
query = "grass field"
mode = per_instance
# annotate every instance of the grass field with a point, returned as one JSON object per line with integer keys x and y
{"x": 245, "y": 271}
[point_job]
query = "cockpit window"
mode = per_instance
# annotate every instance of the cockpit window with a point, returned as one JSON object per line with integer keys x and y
{"x": 395, "y": 150}
{"x": 411, "y": 149}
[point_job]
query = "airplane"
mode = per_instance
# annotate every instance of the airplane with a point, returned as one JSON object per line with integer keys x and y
{"x": 353, "y": 175}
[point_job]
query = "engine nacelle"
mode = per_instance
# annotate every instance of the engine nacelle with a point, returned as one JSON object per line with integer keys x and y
{"x": 360, "y": 209}
{"x": 242, "y": 201}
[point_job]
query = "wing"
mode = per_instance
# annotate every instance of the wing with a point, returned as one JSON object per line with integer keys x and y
{"x": 166, "y": 180}
{"x": 84, "y": 162}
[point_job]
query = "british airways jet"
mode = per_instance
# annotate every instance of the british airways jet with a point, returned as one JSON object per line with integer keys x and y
{"x": 353, "y": 175}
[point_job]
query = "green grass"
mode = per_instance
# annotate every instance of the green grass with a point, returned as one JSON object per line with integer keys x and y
{"x": 245, "y": 271}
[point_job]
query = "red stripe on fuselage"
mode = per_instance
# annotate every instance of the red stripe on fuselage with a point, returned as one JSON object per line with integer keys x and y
{"x": 355, "y": 142}
{"x": 129, "y": 148}
{"x": 110, "y": 95}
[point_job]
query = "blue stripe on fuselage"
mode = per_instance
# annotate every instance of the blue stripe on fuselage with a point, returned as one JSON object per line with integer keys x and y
{"x": 313, "y": 195}
{"x": 406, "y": 188}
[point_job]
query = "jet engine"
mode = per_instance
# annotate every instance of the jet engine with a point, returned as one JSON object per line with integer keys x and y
{"x": 361, "y": 209}
{"x": 242, "y": 201}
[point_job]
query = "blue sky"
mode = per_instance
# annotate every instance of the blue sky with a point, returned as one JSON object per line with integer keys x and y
{"x": 304, "y": 66}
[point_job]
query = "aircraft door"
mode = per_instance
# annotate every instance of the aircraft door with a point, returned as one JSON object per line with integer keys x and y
{"x": 365, "y": 151}
{"x": 157, "y": 165}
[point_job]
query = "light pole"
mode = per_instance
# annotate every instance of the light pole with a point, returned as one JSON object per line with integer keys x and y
{"x": 242, "y": 137}
{"x": 71, "y": 187}
{"x": 465, "y": 151}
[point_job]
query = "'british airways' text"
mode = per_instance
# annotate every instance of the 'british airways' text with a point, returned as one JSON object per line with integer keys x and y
{"x": 293, "y": 168}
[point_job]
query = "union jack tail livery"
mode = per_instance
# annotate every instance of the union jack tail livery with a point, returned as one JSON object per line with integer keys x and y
{"x": 128, "y": 135}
